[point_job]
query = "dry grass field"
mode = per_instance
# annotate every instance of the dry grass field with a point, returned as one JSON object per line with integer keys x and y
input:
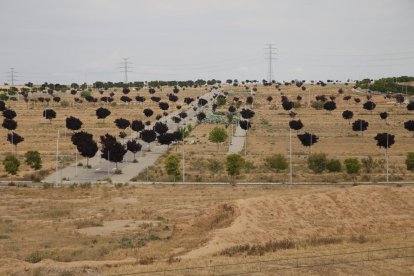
{"x": 270, "y": 135}
{"x": 115, "y": 231}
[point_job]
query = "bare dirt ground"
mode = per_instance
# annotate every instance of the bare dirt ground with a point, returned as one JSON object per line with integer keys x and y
{"x": 115, "y": 231}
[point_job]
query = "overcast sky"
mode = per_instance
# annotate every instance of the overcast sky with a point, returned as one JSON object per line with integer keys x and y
{"x": 85, "y": 40}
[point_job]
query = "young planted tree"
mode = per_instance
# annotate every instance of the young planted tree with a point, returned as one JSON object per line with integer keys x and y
{"x": 360, "y": 125}
{"x": 14, "y": 139}
{"x": 137, "y": 126}
{"x": 49, "y": 114}
{"x": 2, "y": 106}
{"x": 160, "y": 128}
{"x": 134, "y": 147}
{"x": 9, "y": 114}
{"x": 347, "y": 115}
{"x": 9, "y": 124}
{"x": 410, "y": 106}
{"x": 11, "y": 164}
{"x": 308, "y": 139}
{"x": 112, "y": 150}
{"x": 148, "y": 112}
{"x": 234, "y": 164}
{"x": 296, "y": 125}
{"x": 369, "y": 105}
{"x": 122, "y": 123}
{"x": 73, "y": 123}
{"x": 102, "y": 113}
{"x": 148, "y": 136}
{"x": 88, "y": 149}
{"x": 330, "y": 106}
{"x": 385, "y": 140}
{"x": 217, "y": 135}
{"x": 409, "y": 125}
{"x": 287, "y": 105}
{"x": 384, "y": 116}
{"x": 33, "y": 159}
{"x": 172, "y": 166}
{"x": 201, "y": 116}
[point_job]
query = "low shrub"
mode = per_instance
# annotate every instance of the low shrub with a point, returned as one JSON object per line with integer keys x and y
{"x": 276, "y": 162}
{"x": 352, "y": 165}
{"x": 317, "y": 162}
{"x": 334, "y": 165}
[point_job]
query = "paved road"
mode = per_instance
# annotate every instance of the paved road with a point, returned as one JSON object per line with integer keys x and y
{"x": 237, "y": 143}
{"x": 101, "y": 169}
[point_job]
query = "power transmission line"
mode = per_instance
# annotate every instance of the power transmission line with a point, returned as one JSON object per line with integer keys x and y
{"x": 12, "y": 75}
{"x": 270, "y": 51}
{"x": 126, "y": 66}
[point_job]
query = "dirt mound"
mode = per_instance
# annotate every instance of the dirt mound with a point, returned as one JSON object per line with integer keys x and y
{"x": 341, "y": 212}
{"x": 213, "y": 218}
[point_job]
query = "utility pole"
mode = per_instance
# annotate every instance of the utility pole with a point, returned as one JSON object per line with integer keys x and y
{"x": 12, "y": 74}
{"x": 125, "y": 68}
{"x": 269, "y": 52}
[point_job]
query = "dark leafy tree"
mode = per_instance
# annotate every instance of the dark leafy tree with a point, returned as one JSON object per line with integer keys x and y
{"x": 73, "y": 92}
{"x": 102, "y": 113}
{"x": 140, "y": 99}
{"x": 249, "y": 100}
{"x": 155, "y": 99}
{"x": 384, "y": 115}
{"x": 357, "y": 100}
{"x": 176, "y": 90}
{"x": 369, "y": 105}
{"x": 148, "y": 123}
{"x": 14, "y": 138}
{"x": 122, "y": 134}
{"x": 296, "y": 125}
{"x": 2, "y": 106}
{"x": 360, "y": 125}
{"x": 287, "y": 105}
{"x": 182, "y": 115}
{"x": 245, "y": 124}
{"x": 298, "y": 98}
{"x": 126, "y": 90}
{"x": 188, "y": 100}
{"x": 73, "y": 123}
{"x": 148, "y": 112}
{"x": 80, "y": 136}
{"x": 134, "y": 147}
{"x": 49, "y": 114}
{"x": 112, "y": 150}
{"x": 160, "y": 128}
{"x": 137, "y": 125}
{"x": 385, "y": 140}
{"x": 308, "y": 139}
{"x": 163, "y": 105}
{"x": 201, "y": 116}
{"x": 148, "y": 136}
{"x": 56, "y": 99}
{"x": 166, "y": 138}
{"x": 269, "y": 99}
{"x": 202, "y": 102}
{"x": 347, "y": 98}
{"x": 176, "y": 119}
{"x": 409, "y": 125}
{"x": 410, "y": 106}
{"x": 172, "y": 98}
{"x": 347, "y": 115}
{"x": 247, "y": 113}
{"x": 88, "y": 149}
{"x": 151, "y": 90}
{"x": 126, "y": 99}
{"x": 399, "y": 98}
{"x": 9, "y": 124}
{"x": 178, "y": 107}
{"x": 122, "y": 123}
{"x": 9, "y": 114}
{"x": 331, "y": 105}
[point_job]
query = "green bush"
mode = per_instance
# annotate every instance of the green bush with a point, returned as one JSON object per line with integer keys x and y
{"x": 352, "y": 165}
{"x": 409, "y": 161}
{"x": 234, "y": 163}
{"x": 85, "y": 94}
{"x": 276, "y": 162}
{"x": 318, "y": 105}
{"x": 11, "y": 164}
{"x": 334, "y": 165}
{"x": 317, "y": 162}
{"x": 249, "y": 165}
{"x": 297, "y": 105}
{"x": 33, "y": 159}
{"x": 172, "y": 166}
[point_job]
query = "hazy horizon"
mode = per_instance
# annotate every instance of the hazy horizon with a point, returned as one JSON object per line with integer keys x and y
{"x": 85, "y": 41}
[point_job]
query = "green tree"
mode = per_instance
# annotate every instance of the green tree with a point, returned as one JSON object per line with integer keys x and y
{"x": 11, "y": 164}
{"x": 352, "y": 165}
{"x": 276, "y": 162}
{"x": 234, "y": 164}
{"x": 317, "y": 162}
{"x": 217, "y": 135}
{"x": 409, "y": 161}
{"x": 334, "y": 165}
{"x": 214, "y": 166}
{"x": 172, "y": 166}
{"x": 33, "y": 159}
{"x": 221, "y": 100}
